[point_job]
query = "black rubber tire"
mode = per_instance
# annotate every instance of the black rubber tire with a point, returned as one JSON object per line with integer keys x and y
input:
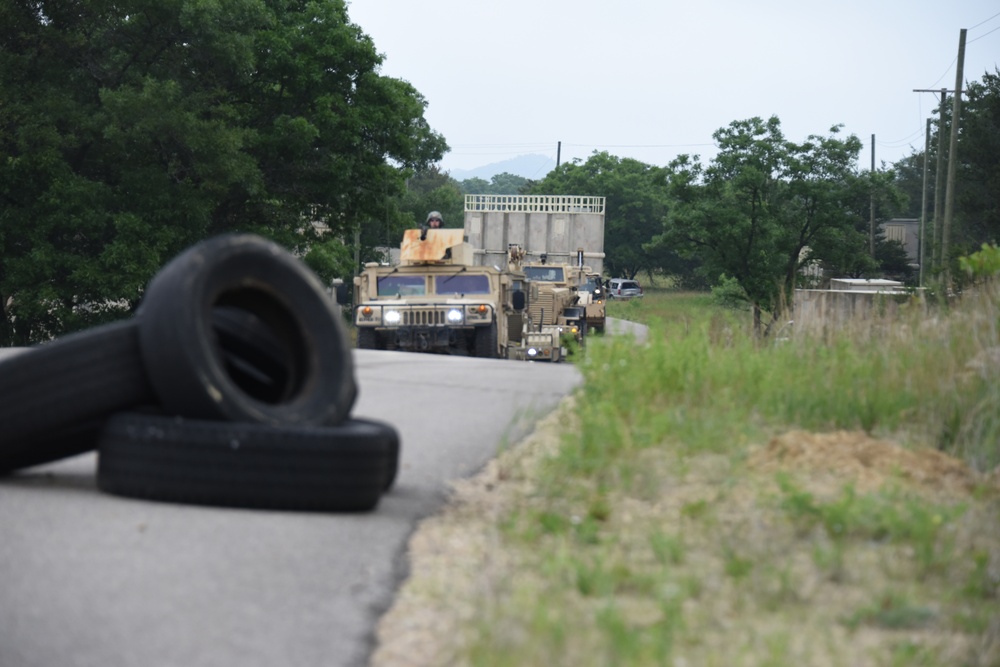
{"x": 367, "y": 339}
{"x": 341, "y": 468}
{"x": 56, "y": 391}
{"x": 46, "y": 448}
{"x": 392, "y": 438}
{"x": 486, "y": 342}
{"x": 254, "y": 275}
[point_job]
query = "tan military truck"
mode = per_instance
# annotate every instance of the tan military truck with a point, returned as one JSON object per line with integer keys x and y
{"x": 591, "y": 296}
{"x": 553, "y": 288}
{"x": 437, "y": 300}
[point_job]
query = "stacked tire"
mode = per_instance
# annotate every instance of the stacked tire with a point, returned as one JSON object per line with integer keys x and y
{"x": 233, "y": 385}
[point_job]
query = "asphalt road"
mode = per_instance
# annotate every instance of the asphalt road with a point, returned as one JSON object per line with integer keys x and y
{"x": 93, "y": 580}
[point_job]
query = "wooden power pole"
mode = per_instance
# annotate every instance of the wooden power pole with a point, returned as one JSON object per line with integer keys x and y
{"x": 936, "y": 226}
{"x": 923, "y": 205}
{"x": 871, "y": 206}
{"x": 949, "y": 197}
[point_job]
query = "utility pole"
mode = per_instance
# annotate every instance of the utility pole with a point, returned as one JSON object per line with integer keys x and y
{"x": 936, "y": 226}
{"x": 949, "y": 197}
{"x": 923, "y": 205}
{"x": 871, "y": 206}
{"x": 558, "y": 153}
{"x": 939, "y": 183}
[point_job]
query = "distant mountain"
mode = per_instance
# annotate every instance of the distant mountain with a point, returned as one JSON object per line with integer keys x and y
{"x": 534, "y": 167}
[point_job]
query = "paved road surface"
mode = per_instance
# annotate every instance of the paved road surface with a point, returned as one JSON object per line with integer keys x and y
{"x": 93, "y": 580}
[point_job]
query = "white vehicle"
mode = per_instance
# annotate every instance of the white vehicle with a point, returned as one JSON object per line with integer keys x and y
{"x": 622, "y": 288}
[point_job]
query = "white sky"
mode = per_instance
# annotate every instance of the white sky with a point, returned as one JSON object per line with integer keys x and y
{"x": 651, "y": 79}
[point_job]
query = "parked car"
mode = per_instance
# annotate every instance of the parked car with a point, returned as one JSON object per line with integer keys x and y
{"x": 621, "y": 288}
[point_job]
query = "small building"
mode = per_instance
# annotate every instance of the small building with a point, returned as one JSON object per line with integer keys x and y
{"x": 849, "y": 299}
{"x": 907, "y": 232}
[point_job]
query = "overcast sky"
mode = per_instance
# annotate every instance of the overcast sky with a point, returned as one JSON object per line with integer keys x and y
{"x": 651, "y": 79}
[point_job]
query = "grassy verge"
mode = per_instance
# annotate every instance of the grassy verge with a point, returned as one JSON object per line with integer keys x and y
{"x": 714, "y": 500}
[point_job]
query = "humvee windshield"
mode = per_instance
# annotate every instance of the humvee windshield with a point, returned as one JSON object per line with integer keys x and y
{"x": 396, "y": 285}
{"x": 462, "y": 283}
{"x": 551, "y": 274}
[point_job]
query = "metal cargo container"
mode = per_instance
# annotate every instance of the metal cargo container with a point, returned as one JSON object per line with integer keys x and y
{"x": 558, "y": 227}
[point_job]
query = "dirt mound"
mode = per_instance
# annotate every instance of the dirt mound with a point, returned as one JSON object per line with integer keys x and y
{"x": 854, "y": 457}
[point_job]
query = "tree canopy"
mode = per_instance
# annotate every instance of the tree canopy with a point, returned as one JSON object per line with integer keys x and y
{"x": 635, "y": 203}
{"x": 977, "y": 179}
{"x": 764, "y": 206}
{"x": 131, "y": 129}
{"x": 503, "y": 183}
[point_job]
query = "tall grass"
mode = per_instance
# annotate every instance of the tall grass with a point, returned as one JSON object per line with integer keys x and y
{"x": 924, "y": 375}
{"x": 645, "y": 540}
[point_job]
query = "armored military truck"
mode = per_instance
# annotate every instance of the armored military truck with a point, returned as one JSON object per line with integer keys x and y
{"x": 438, "y": 300}
{"x": 552, "y": 289}
{"x": 592, "y": 297}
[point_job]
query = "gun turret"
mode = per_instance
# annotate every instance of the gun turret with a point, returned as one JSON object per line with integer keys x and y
{"x": 438, "y": 246}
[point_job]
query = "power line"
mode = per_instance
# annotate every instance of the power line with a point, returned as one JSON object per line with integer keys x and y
{"x": 982, "y": 22}
{"x": 952, "y": 64}
{"x": 984, "y": 34}
{"x": 899, "y": 143}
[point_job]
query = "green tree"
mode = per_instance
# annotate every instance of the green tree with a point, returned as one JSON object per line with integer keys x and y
{"x": 475, "y": 186}
{"x": 976, "y": 217}
{"x": 429, "y": 190}
{"x": 763, "y": 207}
{"x": 635, "y": 205}
{"x": 131, "y": 129}
{"x": 501, "y": 184}
{"x": 509, "y": 184}
{"x": 846, "y": 251}
{"x": 977, "y": 203}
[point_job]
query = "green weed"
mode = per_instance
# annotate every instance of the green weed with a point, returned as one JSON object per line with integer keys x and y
{"x": 892, "y": 611}
{"x": 887, "y": 516}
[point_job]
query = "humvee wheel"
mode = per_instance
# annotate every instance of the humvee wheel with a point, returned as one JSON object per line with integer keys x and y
{"x": 486, "y": 342}
{"x": 367, "y": 339}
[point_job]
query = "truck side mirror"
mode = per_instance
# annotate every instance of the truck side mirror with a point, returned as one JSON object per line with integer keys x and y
{"x": 518, "y": 299}
{"x": 340, "y": 292}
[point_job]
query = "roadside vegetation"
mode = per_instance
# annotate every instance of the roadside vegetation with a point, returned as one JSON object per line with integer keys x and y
{"x": 716, "y": 499}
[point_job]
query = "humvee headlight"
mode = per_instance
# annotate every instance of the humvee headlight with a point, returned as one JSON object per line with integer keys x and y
{"x": 392, "y": 317}
{"x": 532, "y": 352}
{"x": 454, "y": 316}
{"x": 477, "y": 313}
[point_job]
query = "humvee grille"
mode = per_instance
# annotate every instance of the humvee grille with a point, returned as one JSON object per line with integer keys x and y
{"x": 423, "y": 317}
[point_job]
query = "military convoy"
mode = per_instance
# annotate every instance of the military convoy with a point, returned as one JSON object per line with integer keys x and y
{"x": 553, "y": 230}
{"x": 454, "y": 292}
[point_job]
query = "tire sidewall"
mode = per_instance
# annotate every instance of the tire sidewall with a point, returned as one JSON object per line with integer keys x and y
{"x": 177, "y": 342}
